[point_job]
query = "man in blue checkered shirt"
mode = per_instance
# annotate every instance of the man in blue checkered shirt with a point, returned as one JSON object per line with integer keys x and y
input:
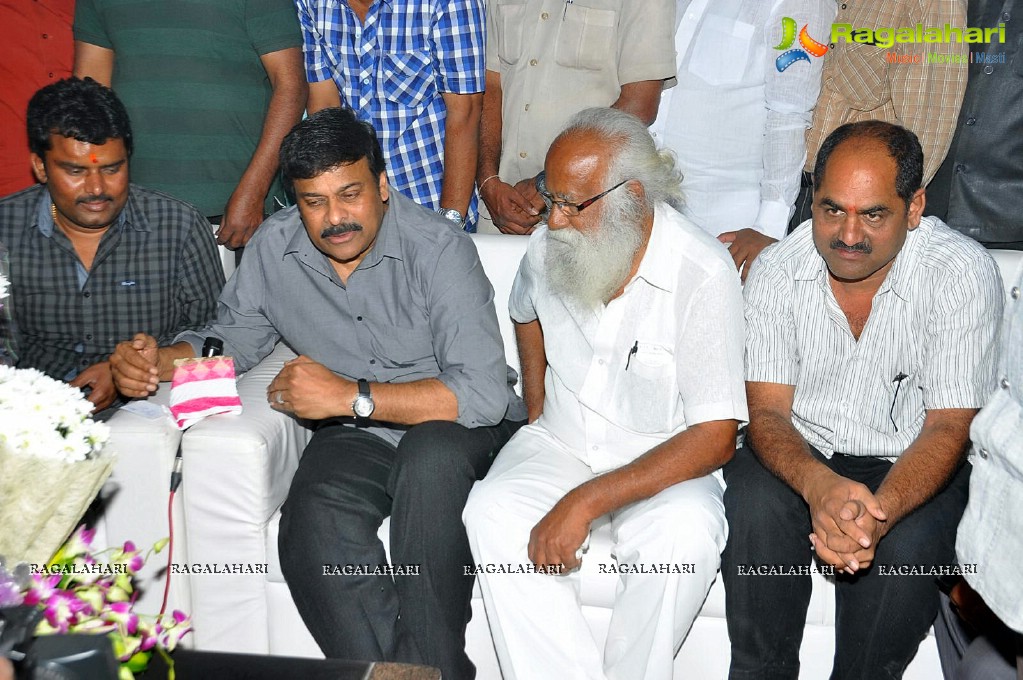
{"x": 414, "y": 69}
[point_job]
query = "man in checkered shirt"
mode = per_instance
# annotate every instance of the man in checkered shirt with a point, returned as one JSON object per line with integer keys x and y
{"x": 94, "y": 259}
{"x": 415, "y": 71}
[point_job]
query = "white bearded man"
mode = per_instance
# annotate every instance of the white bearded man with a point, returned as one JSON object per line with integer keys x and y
{"x": 630, "y": 331}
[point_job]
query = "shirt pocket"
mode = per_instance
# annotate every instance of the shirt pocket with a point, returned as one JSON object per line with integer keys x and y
{"x": 648, "y": 391}
{"x": 721, "y": 51}
{"x": 408, "y": 78}
{"x": 586, "y": 37}
{"x": 401, "y": 351}
{"x": 510, "y": 19}
{"x": 860, "y": 75}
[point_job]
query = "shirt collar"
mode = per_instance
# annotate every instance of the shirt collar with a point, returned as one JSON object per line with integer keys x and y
{"x": 658, "y": 266}
{"x": 131, "y": 217}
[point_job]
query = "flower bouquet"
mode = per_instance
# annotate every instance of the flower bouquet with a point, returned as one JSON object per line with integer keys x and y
{"x": 79, "y": 593}
{"x": 52, "y": 463}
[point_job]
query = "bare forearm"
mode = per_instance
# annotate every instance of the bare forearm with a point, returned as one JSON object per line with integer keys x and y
{"x": 783, "y": 451}
{"x": 533, "y": 363}
{"x": 697, "y": 452}
{"x": 491, "y": 123}
{"x": 167, "y": 355}
{"x": 461, "y": 149}
{"x": 323, "y": 95}
{"x": 94, "y": 62}
{"x": 290, "y": 93}
{"x": 411, "y": 403}
{"x": 927, "y": 465}
{"x": 641, "y": 99}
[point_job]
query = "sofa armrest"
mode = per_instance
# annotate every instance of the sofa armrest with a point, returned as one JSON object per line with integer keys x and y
{"x": 237, "y": 472}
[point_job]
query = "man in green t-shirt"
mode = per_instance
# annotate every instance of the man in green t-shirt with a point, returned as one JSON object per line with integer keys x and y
{"x": 211, "y": 88}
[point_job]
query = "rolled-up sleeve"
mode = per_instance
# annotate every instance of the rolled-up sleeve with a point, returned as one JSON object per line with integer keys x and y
{"x": 241, "y": 321}
{"x": 466, "y": 337}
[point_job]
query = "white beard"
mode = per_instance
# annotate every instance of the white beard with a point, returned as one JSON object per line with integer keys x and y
{"x": 589, "y": 268}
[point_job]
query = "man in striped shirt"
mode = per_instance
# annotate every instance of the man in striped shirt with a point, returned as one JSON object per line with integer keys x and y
{"x": 869, "y": 349}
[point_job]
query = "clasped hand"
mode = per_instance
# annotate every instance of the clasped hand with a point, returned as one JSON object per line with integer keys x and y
{"x": 557, "y": 538}
{"x": 848, "y": 521}
{"x": 310, "y": 390}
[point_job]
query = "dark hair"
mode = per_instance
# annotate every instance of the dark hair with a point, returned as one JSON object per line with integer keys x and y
{"x": 326, "y": 140}
{"x": 80, "y": 108}
{"x": 903, "y": 146}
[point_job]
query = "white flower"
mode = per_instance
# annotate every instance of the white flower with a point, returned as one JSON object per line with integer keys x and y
{"x": 43, "y": 417}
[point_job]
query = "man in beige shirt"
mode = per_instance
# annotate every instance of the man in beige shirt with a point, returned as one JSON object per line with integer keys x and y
{"x": 859, "y": 82}
{"x": 546, "y": 60}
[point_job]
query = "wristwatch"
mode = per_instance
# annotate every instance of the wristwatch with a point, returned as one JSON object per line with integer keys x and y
{"x": 452, "y": 214}
{"x": 363, "y": 406}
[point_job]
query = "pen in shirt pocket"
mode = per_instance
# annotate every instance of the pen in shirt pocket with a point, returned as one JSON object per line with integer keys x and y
{"x": 565, "y": 13}
{"x": 628, "y": 357}
{"x": 899, "y": 377}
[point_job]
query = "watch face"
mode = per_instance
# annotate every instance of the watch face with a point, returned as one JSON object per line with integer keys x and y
{"x": 363, "y": 406}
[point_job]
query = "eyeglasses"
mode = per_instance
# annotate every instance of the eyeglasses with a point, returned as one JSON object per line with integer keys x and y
{"x": 573, "y": 209}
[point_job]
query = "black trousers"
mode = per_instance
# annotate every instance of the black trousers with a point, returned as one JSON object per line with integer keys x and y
{"x": 880, "y": 619}
{"x": 347, "y": 482}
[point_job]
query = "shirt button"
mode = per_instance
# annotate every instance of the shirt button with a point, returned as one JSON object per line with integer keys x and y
{"x": 365, "y": 81}
{"x": 831, "y": 45}
{"x": 1004, "y": 383}
{"x": 532, "y": 62}
{"x": 45, "y": 36}
{"x": 596, "y": 448}
{"x": 600, "y": 361}
{"x": 372, "y": 361}
{"x": 523, "y": 154}
{"x": 989, "y": 69}
{"x": 84, "y": 362}
{"x": 1014, "y": 292}
{"x": 358, "y": 318}
{"x": 971, "y": 120}
{"x": 88, "y": 336}
{"x": 960, "y": 168}
{"x": 844, "y": 5}
{"x": 1005, "y": 16}
{"x": 526, "y": 107}
{"x": 545, "y": 16}
{"x": 983, "y": 454}
{"x": 87, "y": 294}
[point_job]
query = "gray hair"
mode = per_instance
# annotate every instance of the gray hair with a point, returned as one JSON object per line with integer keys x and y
{"x": 636, "y": 156}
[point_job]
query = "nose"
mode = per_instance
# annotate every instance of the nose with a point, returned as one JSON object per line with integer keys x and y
{"x": 556, "y": 218}
{"x": 95, "y": 183}
{"x": 336, "y": 212}
{"x": 851, "y": 229}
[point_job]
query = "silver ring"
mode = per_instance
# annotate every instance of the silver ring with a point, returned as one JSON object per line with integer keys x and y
{"x": 280, "y": 398}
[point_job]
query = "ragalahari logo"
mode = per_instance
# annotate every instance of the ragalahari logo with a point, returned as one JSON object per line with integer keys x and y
{"x": 808, "y": 46}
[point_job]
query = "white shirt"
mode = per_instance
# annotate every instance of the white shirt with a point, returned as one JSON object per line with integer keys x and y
{"x": 735, "y": 122}
{"x": 682, "y": 313}
{"x": 991, "y": 533}
{"x": 934, "y": 320}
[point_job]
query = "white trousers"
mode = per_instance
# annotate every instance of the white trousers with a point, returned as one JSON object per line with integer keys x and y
{"x": 537, "y": 620}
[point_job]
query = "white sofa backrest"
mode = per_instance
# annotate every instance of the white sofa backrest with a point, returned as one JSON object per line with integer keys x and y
{"x": 500, "y": 255}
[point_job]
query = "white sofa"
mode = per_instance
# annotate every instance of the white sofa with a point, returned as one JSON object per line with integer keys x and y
{"x": 237, "y": 473}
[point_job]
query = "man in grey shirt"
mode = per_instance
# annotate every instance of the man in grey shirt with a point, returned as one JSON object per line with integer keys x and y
{"x": 402, "y": 364}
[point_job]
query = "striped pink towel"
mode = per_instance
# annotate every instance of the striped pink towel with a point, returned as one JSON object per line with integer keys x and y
{"x": 201, "y": 388}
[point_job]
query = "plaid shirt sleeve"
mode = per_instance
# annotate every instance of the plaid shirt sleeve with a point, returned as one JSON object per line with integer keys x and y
{"x": 317, "y": 66}
{"x": 200, "y": 278}
{"x": 459, "y": 46}
{"x": 927, "y": 98}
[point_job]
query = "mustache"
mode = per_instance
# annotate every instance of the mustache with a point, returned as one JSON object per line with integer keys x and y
{"x": 338, "y": 229}
{"x": 861, "y": 247}
{"x": 95, "y": 199}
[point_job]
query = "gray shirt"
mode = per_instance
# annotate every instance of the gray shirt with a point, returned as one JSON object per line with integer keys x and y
{"x": 418, "y": 306}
